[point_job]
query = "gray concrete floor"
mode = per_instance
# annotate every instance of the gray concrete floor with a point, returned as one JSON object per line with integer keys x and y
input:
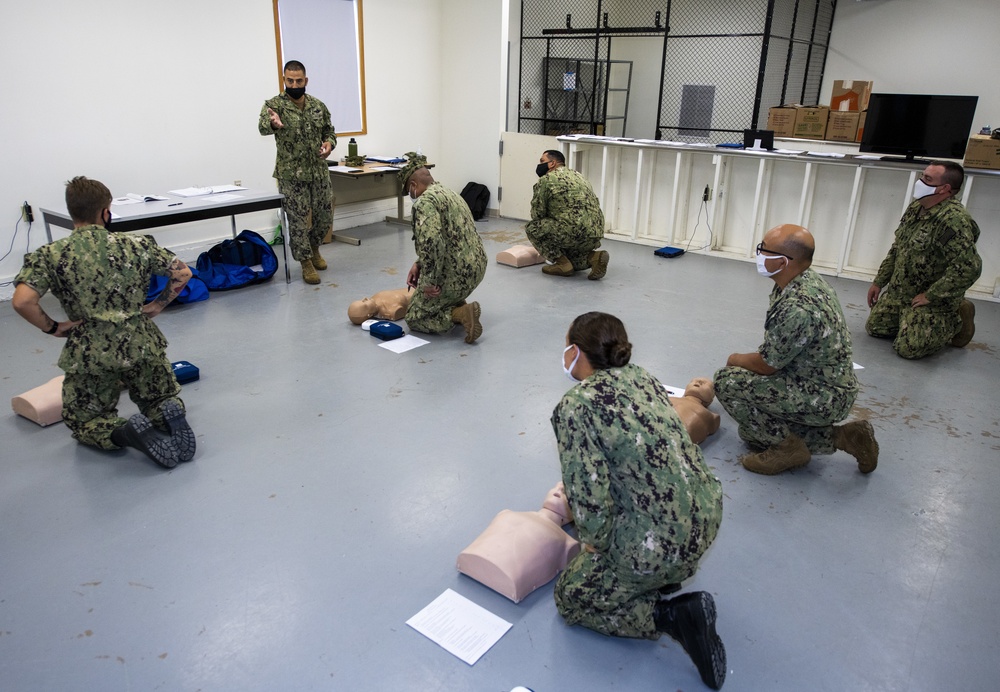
{"x": 335, "y": 484}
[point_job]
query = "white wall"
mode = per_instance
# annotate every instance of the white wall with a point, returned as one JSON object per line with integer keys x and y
{"x": 151, "y": 96}
{"x": 919, "y": 46}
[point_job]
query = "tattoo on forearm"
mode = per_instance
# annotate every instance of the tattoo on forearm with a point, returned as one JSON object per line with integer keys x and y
{"x": 174, "y": 285}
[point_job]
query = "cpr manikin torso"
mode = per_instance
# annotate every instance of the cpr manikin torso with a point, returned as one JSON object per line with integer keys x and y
{"x": 43, "y": 405}
{"x": 384, "y": 305}
{"x": 693, "y": 409}
{"x": 520, "y": 256}
{"x": 520, "y": 551}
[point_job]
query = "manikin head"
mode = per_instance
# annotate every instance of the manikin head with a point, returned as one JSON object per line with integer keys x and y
{"x": 555, "y": 506}
{"x": 701, "y": 388}
{"x": 361, "y": 310}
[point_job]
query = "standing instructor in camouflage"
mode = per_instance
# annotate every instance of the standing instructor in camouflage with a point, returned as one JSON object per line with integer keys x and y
{"x": 932, "y": 263}
{"x": 645, "y": 504}
{"x": 567, "y": 223}
{"x": 304, "y": 139}
{"x": 787, "y": 395}
{"x": 450, "y": 262}
{"x": 100, "y": 279}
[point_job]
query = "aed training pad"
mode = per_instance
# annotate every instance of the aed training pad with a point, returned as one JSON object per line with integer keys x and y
{"x": 668, "y": 252}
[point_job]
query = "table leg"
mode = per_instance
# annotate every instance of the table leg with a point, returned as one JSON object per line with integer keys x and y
{"x": 283, "y": 218}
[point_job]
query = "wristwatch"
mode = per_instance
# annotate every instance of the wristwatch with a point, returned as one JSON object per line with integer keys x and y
{"x": 54, "y": 329}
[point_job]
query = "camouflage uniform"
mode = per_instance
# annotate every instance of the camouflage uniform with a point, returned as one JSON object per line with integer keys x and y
{"x": 566, "y": 218}
{"x": 102, "y": 279}
{"x": 303, "y": 177}
{"x": 934, "y": 253}
{"x": 450, "y": 255}
{"x": 807, "y": 340}
{"x": 641, "y": 496}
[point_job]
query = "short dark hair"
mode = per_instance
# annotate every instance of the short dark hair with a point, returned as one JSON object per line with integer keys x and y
{"x": 85, "y": 198}
{"x": 294, "y": 66}
{"x": 799, "y": 250}
{"x": 954, "y": 174}
{"x": 602, "y": 338}
{"x": 556, "y": 156}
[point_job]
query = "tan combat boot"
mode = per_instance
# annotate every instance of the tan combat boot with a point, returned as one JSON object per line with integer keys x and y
{"x": 468, "y": 316}
{"x": 857, "y": 438}
{"x": 790, "y": 453}
{"x": 967, "y": 311}
{"x": 309, "y": 274}
{"x": 317, "y": 259}
{"x": 562, "y": 267}
{"x": 598, "y": 264}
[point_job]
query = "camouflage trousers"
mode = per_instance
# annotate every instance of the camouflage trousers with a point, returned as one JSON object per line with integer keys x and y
{"x": 90, "y": 400}
{"x": 770, "y": 407}
{"x": 917, "y": 332}
{"x": 553, "y": 239}
{"x": 611, "y": 599}
{"x": 309, "y": 208}
{"x": 433, "y": 315}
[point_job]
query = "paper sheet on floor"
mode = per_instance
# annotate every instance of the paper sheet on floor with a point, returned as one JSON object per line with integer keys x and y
{"x": 459, "y": 626}
{"x": 858, "y": 367}
{"x": 403, "y": 343}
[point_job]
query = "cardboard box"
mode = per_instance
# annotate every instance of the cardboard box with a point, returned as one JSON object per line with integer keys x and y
{"x": 849, "y": 95}
{"x": 810, "y": 123}
{"x": 983, "y": 152}
{"x": 781, "y": 119}
{"x": 861, "y": 126}
{"x": 842, "y": 126}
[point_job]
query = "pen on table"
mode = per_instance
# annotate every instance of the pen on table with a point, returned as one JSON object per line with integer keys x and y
{"x": 175, "y": 204}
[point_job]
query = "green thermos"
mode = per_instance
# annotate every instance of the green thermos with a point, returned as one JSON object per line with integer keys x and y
{"x": 352, "y": 148}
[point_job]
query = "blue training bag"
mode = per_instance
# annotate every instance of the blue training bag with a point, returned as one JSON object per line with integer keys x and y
{"x": 194, "y": 291}
{"x": 247, "y": 259}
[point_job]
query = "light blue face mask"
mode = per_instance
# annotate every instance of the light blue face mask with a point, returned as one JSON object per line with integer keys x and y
{"x": 569, "y": 370}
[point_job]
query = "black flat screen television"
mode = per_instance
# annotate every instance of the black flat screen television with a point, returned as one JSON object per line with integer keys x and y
{"x": 912, "y": 125}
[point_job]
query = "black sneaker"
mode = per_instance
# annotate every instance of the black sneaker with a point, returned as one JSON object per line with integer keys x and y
{"x": 140, "y": 434}
{"x": 690, "y": 619}
{"x": 180, "y": 432}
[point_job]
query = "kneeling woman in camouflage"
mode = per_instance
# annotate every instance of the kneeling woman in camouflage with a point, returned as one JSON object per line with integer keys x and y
{"x": 645, "y": 503}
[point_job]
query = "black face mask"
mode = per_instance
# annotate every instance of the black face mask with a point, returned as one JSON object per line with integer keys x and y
{"x": 541, "y": 169}
{"x": 107, "y": 221}
{"x": 295, "y": 93}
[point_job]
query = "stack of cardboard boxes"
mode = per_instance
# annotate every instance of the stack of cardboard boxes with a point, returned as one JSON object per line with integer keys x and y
{"x": 842, "y": 121}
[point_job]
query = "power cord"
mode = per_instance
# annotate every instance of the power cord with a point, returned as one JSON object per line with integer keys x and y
{"x": 703, "y": 207}
{"x": 11, "y": 248}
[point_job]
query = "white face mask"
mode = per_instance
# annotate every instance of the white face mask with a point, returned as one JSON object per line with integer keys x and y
{"x": 762, "y": 268}
{"x": 569, "y": 370}
{"x": 922, "y": 189}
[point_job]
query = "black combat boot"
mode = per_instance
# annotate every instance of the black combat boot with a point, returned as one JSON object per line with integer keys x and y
{"x": 140, "y": 434}
{"x": 690, "y": 619}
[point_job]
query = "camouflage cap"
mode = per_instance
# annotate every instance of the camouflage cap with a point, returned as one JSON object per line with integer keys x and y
{"x": 413, "y": 162}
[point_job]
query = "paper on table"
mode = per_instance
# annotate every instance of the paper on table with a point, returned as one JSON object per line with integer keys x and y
{"x": 119, "y": 201}
{"x": 224, "y": 197}
{"x": 384, "y": 168}
{"x": 192, "y": 191}
{"x": 345, "y": 169}
{"x": 403, "y": 344}
{"x": 826, "y": 154}
{"x": 459, "y": 626}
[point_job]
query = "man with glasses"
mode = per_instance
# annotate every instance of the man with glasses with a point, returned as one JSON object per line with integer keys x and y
{"x": 932, "y": 263}
{"x": 787, "y": 395}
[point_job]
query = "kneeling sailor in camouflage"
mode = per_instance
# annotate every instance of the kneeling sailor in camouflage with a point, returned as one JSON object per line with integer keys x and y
{"x": 567, "y": 223}
{"x": 450, "y": 262}
{"x": 787, "y": 395}
{"x": 100, "y": 279}
{"x": 645, "y": 504}
{"x": 932, "y": 263}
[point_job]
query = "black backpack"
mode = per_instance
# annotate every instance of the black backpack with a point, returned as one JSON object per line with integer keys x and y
{"x": 477, "y": 196}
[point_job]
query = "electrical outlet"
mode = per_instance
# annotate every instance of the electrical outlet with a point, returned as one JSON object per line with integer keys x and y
{"x": 26, "y": 214}
{"x": 707, "y": 194}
